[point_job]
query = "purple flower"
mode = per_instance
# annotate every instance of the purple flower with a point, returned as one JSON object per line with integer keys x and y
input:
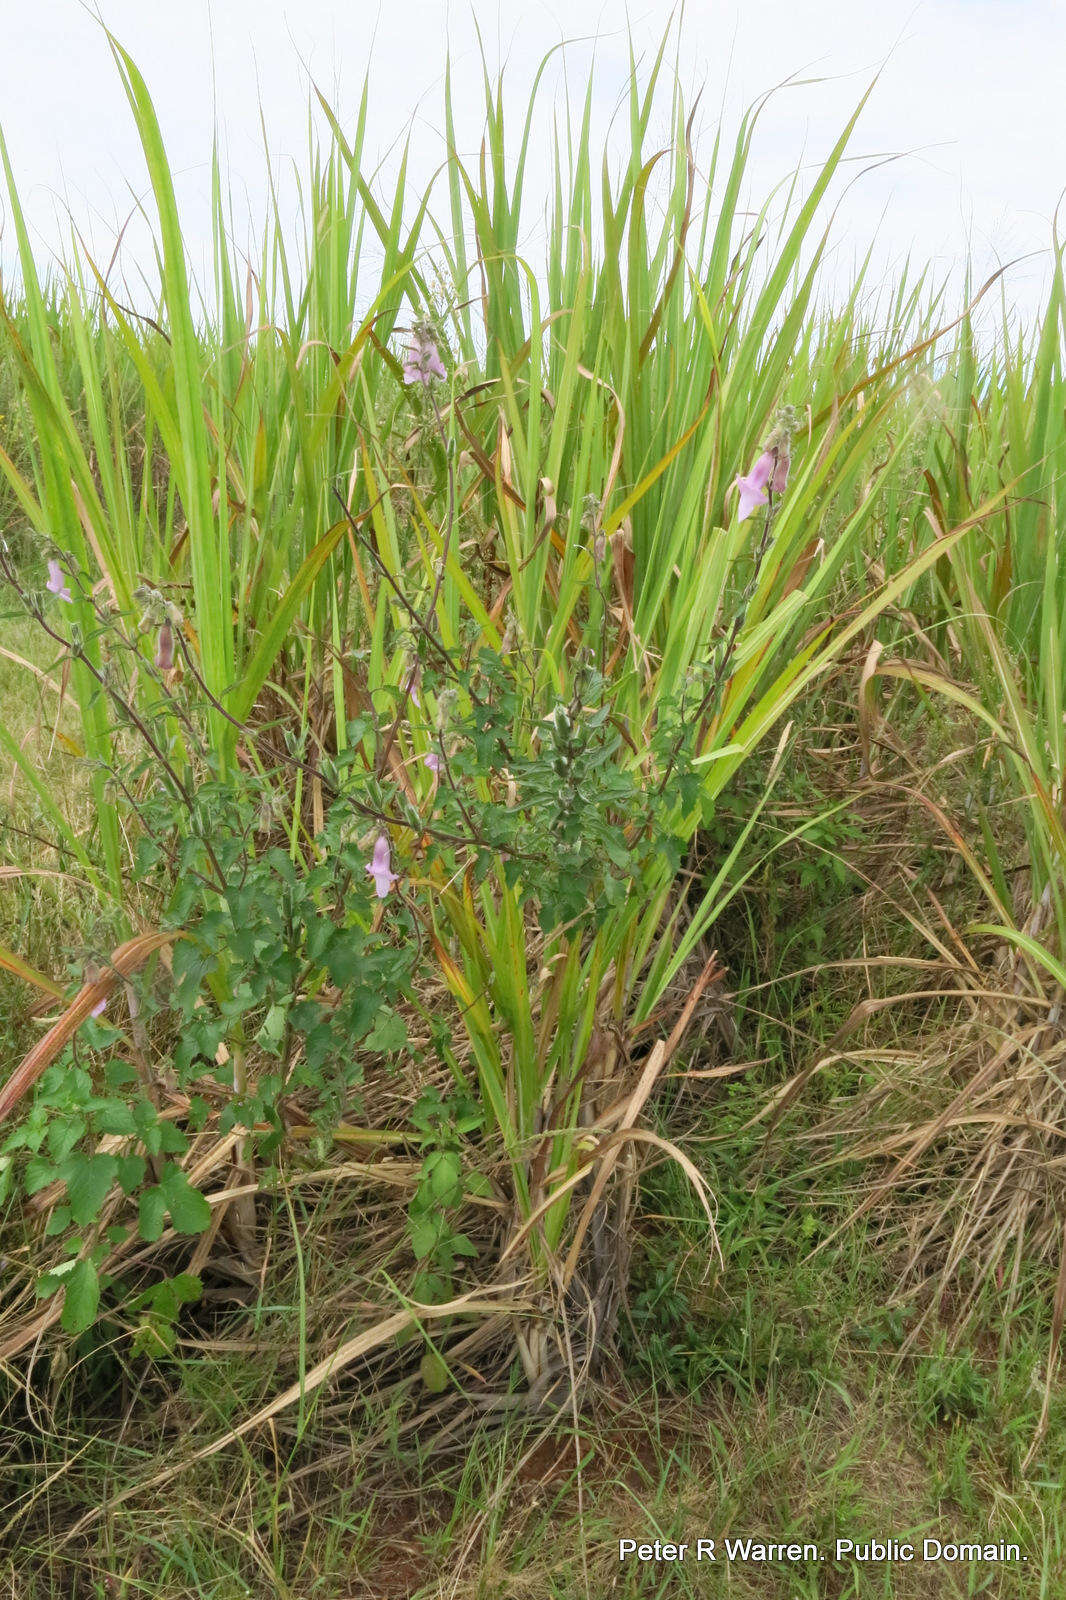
{"x": 423, "y": 362}
{"x": 770, "y": 471}
{"x": 164, "y": 654}
{"x": 57, "y": 582}
{"x": 753, "y": 487}
{"x": 432, "y": 761}
{"x": 99, "y": 1008}
{"x": 380, "y": 867}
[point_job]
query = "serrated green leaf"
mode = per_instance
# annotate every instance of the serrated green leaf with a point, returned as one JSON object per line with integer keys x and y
{"x": 88, "y": 1179}
{"x": 425, "y": 1233}
{"x": 152, "y": 1214}
{"x": 187, "y": 1287}
{"x": 443, "y": 1172}
{"x": 63, "y": 1134}
{"x": 59, "y": 1219}
{"x": 130, "y": 1172}
{"x": 388, "y": 1034}
{"x": 39, "y": 1173}
{"x": 81, "y": 1299}
{"x": 116, "y": 1117}
{"x": 189, "y": 1211}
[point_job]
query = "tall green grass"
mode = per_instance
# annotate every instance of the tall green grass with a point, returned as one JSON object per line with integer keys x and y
{"x": 564, "y": 499}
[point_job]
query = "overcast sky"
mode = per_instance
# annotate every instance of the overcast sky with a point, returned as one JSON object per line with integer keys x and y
{"x": 971, "y": 90}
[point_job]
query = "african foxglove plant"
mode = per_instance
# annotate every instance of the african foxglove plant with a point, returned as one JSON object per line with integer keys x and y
{"x": 423, "y": 362}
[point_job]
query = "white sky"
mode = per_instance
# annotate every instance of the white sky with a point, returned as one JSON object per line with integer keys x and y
{"x": 972, "y": 89}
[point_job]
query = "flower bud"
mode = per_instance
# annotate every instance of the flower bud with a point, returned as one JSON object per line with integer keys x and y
{"x": 164, "y": 651}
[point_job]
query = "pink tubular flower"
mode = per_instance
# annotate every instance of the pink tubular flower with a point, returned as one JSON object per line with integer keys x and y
{"x": 423, "y": 362}
{"x": 779, "y": 481}
{"x": 753, "y": 487}
{"x": 164, "y": 654}
{"x": 99, "y": 1008}
{"x": 380, "y": 867}
{"x": 57, "y": 582}
{"x": 432, "y": 761}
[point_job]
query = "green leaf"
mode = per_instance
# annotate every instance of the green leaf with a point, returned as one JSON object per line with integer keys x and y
{"x": 425, "y": 1235}
{"x": 152, "y": 1212}
{"x": 433, "y": 1372}
{"x": 388, "y": 1034}
{"x": 39, "y": 1173}
{"x": 170, "y": 1139}
{"x": 63, "y": 1135}
{"x": 189, "y": 1211}
{"x": 187, "y": 1288}
{"x": 116, "y": 1117}
{"x": 88, "y": 1180}
{"x": 81, "y": 1299}
{"x": 117, "y": 1074}
{"x": 345, "y": 955}
{"x": 57, "y": 1222}
{"x": 272, "y": 1031}
{"x": 443, "y": 1172}
{"x": 130, "y": 1172}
